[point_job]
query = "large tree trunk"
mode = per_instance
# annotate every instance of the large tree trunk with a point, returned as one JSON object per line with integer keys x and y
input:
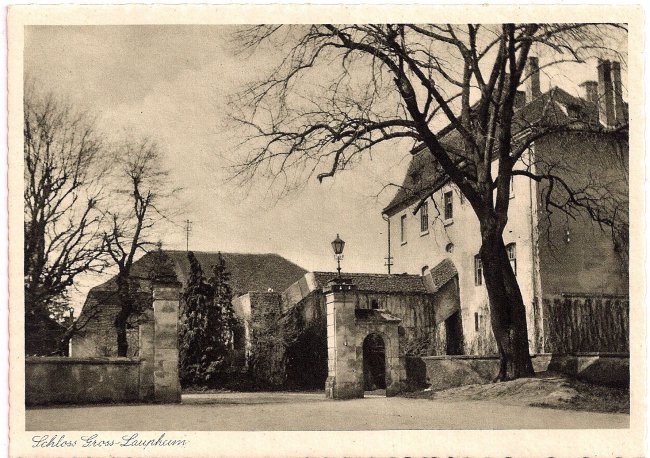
{"x": 120, "y": 327}
{"x": 507, "y": 311}
{"x": 126, "y": 309}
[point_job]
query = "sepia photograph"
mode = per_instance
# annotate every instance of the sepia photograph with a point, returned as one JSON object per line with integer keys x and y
{"x": 323, "y": 225}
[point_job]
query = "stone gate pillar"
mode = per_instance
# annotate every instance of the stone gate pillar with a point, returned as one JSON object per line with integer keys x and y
{"x": 167, "y": 387}
{"x": 344, "y": 365}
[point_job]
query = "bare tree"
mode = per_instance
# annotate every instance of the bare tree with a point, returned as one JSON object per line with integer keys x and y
{"x": 63, "y": 173}
{"x": 341, "y": 90}
{"x": 140, "y": 189}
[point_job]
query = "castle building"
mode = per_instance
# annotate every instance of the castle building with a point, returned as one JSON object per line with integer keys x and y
{"x": 556, "y": 257}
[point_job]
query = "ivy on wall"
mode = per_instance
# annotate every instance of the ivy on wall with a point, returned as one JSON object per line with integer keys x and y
{"x": 266, "y": 358}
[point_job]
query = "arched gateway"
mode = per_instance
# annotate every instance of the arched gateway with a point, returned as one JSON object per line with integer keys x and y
{"x": 362, "y": 346}
{"x": 374, "y": 363}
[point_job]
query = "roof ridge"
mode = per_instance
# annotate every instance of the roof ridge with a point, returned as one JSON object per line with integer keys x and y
{"x": 366, "y": 273}
{"x": 223, "y": 252}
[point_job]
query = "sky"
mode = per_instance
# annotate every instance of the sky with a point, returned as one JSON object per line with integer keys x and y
{"x": 173, "y": 83}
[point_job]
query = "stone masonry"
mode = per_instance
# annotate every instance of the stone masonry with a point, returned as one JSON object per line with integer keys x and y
{"x": 345, "y": 366}
{"x": 165, "y": 309}
{"x": 346, "y": 333}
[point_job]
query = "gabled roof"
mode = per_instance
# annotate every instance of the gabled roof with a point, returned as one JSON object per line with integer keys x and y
{"x": 377, "y": 283}
{"x": 424, "y": 175}
{"x": 248, "y": 272}
{"x": 439, "y": 275}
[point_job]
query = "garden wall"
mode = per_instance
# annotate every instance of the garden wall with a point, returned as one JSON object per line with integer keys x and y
{"x": 61, "y": 380}
{"x": 442, "y": 372}
{"x": 153, "y": 376}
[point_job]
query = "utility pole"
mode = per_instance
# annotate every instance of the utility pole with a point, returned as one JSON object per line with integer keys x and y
{"x": 389, "y": 258}
{"x": 188, "y": 229}
{"x": 389, "y": 262}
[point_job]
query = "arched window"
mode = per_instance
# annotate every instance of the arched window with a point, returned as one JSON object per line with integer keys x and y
{"x": 425, "y": 269}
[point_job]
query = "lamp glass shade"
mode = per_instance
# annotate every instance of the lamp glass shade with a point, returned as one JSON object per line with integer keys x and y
{"x": 337, "y": 245}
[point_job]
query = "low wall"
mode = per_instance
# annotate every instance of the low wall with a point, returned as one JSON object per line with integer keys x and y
{"x": 611, "y": 369}
{"x": 61, "y": 380}
{"x": 442, "y": 372}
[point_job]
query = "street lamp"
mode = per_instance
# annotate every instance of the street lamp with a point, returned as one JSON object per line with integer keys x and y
{"x": 337, "y": 245}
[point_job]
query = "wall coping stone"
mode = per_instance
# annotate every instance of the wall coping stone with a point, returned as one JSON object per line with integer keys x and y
{"x": 73, "y": 360}
{"x": 600, "y": 354}
{"x": 536, "y": 355}
{"x": 568, "y": 294}
{"x": 450, "y": 357}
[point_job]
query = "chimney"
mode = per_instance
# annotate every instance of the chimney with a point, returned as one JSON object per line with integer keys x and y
{"x": 605, "y": 94}
{"x": 619, "y": 110}
{"x": 590, "y": 89}
{"x": 532, "y": 79}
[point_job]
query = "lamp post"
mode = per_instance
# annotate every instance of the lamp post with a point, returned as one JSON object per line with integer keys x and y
{"x": 337, "y": 245}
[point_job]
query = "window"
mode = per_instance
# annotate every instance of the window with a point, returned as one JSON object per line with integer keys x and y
{"x": 512, "y": 256}
{"x": 512, "y": 187}
{"x": 573, "y": 111}
{"x": 424, "y": 217}
{"x": 374, "y": 304}
{"x": 478, "y": 271}
{"x": 402, "y": 228}
{"x": 477, "y": 321}
{"x": 425, "y": 270}
{"x": 449, "y": 205}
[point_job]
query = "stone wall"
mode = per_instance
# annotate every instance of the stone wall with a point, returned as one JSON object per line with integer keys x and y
{"x": 611, "y": 369}
{"x": 442, "y": 372}
{"x": 61, "y": 380}
{"x": 153, "y": 376}
{"x": 586, "y": 324}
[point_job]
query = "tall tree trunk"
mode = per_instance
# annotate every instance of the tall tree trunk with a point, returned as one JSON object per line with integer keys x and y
{"x": 126, "y": 309}
{"x": 507, "y": 311}
{"x": 120, "y": 327}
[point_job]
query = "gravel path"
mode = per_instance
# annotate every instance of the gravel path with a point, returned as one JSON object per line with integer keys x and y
{"x": 310, "y": 411}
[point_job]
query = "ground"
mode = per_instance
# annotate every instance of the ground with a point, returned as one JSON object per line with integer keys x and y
{"x": 546, "y": 389}
{"x": 311, "y": 411}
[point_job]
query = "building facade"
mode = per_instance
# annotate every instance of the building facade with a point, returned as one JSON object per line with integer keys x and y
{"x": 555, "y": 256}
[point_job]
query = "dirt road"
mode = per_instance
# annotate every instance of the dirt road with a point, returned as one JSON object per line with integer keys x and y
{"x": 311, "y": 411}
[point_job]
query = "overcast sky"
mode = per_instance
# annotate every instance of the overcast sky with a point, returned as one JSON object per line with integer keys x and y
{"x": 172, "y": 83}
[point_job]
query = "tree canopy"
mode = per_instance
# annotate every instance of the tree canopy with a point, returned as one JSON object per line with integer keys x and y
{"x": 339, "y": 91}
